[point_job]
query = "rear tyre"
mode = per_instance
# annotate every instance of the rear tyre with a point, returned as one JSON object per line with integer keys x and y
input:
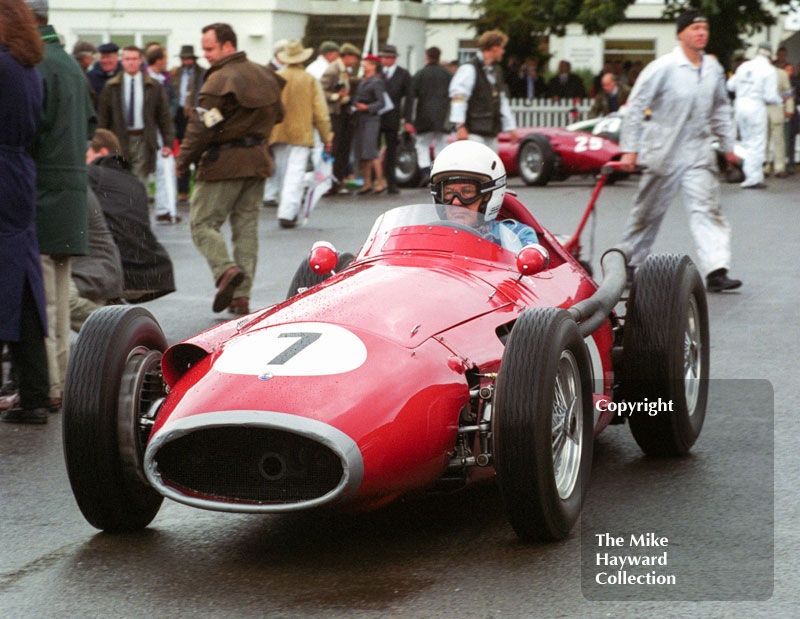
{"x": 536, "y": 160}
{"x": 407, "y": 172}
{"x": 542, "y": 424}
{"x": 113, "y": 378}
{"x": 304, "y": 277}
{"x": 666, "y": 353}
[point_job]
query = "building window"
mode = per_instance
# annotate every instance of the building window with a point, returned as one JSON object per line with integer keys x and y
{"x": 123, "y": 38}
{"x": 643, "y": 50}
{"x": 467, "y": 50}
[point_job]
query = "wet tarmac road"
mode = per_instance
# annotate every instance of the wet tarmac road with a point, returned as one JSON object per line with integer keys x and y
{"x": 455, "y": 555}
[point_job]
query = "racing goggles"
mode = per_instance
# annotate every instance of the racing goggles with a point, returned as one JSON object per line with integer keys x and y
{"x": 467, "y": 189}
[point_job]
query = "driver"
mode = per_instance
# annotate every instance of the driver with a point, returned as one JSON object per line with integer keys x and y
{"x": 471, "y": 176}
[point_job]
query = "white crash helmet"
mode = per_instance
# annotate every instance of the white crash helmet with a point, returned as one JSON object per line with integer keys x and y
{"x": 473, "y": 160}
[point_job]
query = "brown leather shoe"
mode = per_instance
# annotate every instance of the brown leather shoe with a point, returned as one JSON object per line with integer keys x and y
{"x": 240, "y": 306}
{"x": 226, "y": 285}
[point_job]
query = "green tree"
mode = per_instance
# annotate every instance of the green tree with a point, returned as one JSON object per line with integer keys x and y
{"x": 528, "y": 21}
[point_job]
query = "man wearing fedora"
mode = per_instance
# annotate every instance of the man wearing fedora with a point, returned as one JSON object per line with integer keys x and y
{"x": 187, "y": 80}
{"x": 398, "y": 87}
{"x": 291, "y": 140}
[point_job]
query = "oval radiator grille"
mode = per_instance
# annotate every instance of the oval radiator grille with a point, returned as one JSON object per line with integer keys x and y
{"x": 247, "y": 464}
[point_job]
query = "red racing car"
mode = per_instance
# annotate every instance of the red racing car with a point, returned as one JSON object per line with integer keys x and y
{"x": 543, "y": 154}
{"x": 433, "y": 359}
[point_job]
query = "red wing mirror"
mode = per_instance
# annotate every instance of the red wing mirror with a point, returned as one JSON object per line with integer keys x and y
{"x": 532, "y": 259}
{"x": 323, "y": 258}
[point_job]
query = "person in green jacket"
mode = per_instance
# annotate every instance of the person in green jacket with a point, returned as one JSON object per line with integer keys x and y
{"x": 68, "y": 121}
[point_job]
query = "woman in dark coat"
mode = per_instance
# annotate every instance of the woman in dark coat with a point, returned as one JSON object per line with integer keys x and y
{"x": 22, "y": 312}
{"x": 367, "y": 102}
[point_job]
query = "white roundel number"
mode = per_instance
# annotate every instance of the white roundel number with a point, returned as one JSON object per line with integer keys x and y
{"x": 587, "y": 142}
{"x": 297, "y": 349}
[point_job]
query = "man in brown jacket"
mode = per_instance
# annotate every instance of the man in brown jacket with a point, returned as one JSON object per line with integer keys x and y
{"x": 611, "y": 97}
{"x": 135, "y": 108}
{"x": 292, "y": 139}
{"x": 227, "y": 135}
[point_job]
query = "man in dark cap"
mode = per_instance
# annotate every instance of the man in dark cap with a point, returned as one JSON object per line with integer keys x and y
{"x": 398, "y": 87}
{"x": 677, "y": 108}
{"x": 187, "y": 80}
{"x": 105, "y": 68}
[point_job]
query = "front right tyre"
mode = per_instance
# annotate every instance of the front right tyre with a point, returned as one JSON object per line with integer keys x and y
{"x": 542, "y": 424}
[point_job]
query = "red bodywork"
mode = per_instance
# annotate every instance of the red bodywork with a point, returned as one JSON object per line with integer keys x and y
{"x": 577, "y": 152}
{"x": 428, "y": 306}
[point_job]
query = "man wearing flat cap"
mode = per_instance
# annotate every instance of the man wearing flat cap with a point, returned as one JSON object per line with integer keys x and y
{"x": 328, "y": 52}
{"x": 398, "y": 87}
{"x": 187, "y": 79}
{"x": 677, "y": 108}
{"x": 755, "y": 84}
{"x": 291, "y": 139}
{"x": 336, "y": 86}
{"x": 106, "y": 67}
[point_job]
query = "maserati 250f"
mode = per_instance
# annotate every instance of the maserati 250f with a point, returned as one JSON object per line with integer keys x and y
{"x": 432, "y": 359}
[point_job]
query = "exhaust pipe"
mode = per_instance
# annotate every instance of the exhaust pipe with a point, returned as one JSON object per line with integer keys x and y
{"x": 592, "y": 312}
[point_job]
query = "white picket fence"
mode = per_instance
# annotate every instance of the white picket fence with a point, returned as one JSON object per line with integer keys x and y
{"x": 549, "y": 113}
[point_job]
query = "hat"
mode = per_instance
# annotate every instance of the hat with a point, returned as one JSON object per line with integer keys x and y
{"x": 371, "y": 57}
{"x": 687, "y": 18}
{"x": 279, "y": 46}
{"x": 187, "y": 51}
{"x": 388, "y": 50}
{"x": 328, "y": 46}
{"x": 83, "y": 48}
{"x": 295, "y": 53}
{"x": 108, "y": 48}
{"x": 38, "y": 7}
{"x": 348, "y": 49}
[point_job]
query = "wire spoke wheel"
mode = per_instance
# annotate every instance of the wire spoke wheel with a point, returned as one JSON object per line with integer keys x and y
{"x": 542, "y": 424}
{"x": 567, "y": 437}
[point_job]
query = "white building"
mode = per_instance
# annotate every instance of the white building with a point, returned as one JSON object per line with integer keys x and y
{"x": 411, "y": 26}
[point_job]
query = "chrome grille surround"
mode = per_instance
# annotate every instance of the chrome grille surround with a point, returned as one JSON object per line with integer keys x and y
{"x": 335, "y": 440}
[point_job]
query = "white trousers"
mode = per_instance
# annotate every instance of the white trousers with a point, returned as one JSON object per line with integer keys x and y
{"x": 699, "y": 190}
{"x": 751, "y": 118}
{"x": 290, "y": 169}
{"x": 422, "y": 144}
{"x": 56, "y": 273}
{"x": 316, "y": 151}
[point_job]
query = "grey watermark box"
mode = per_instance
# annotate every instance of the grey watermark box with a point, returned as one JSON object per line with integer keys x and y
{"x": 698, "y": 527}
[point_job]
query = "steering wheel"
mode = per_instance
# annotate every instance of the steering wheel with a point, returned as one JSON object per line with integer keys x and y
{"x": 455, "y": 225}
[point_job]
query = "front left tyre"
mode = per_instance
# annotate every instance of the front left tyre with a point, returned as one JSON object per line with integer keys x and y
{"x": 304, "y": 277}
{"x": 542, "y": 424}
{"x": 113, "y": 380}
